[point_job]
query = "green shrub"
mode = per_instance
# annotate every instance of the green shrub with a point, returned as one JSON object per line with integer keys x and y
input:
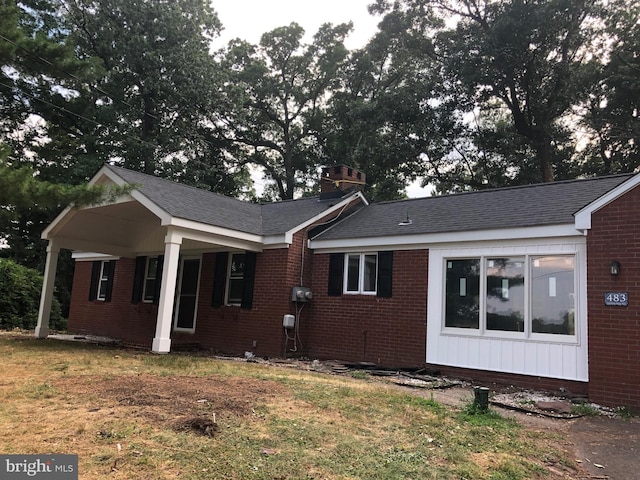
{"x": 20, "y": 298}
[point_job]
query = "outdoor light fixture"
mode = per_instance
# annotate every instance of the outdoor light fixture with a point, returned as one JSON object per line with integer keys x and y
{"x": 614, "y": 267}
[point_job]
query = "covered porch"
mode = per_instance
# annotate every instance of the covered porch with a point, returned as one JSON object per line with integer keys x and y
{"x": 130, "y": 227}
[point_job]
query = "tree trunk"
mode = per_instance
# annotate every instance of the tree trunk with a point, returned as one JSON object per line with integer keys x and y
{"x": 544, "y": 155}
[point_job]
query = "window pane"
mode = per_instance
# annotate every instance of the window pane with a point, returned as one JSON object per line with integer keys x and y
{"x": 236, "y": 278}
{"x": 505, "y": 294}
{"x": 150, "y": 279}
{"x": 102, "y": 290}
{"x": 149, "y": 289}
{"x": 153, "y": 267}
{"x": 353, "y": 270}
{"x": 370, "y": 273}
{"x": 235, "y": 290}
{"x": 552, "y": 295}
{"x": 462, "y": 302}
{"x": 237, "y": 265}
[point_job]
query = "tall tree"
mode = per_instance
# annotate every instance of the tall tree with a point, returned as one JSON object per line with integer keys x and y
{"x": 276, "y": 94}
{"x": 158, "y": 79}
{"x": 382, "y": 119}
{"x": 38, "y": 64}
{"x": 531, "y": 57}
{"x": 613, "y": 108}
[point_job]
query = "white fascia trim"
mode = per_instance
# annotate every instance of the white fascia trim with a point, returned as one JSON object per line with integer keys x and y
{"x": 215, "y": 235}
{"x": 90, "y": 246}
{"x": 195, "y": 228}
{"x": 91, "y": 256}
{"x": 345, "y": 202}
{"x": 135, "y": 194}
{"x": 421, "y": 241}
{"x": 583, "y": 216}
{"x": 106, "y": 172}
{"x": 276, "y": 241}
{"x": 58, "y": 222}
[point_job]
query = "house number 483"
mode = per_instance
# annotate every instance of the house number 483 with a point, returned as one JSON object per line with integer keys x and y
{"x": 616, "y": 299}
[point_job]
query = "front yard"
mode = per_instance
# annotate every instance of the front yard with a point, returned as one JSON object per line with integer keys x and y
{"x": 132, "y": 415}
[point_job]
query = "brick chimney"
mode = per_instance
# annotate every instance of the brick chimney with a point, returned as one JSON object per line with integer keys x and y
{"x": 339, "y": 180}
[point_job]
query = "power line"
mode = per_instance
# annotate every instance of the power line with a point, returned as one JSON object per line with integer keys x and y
{"x": 75, "y": 77}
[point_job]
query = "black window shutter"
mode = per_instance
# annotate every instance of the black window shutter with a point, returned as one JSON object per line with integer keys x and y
{"x": 248, "y": 280}
{"x": 110, "y": 268}
{"x": 156, "y": 290}
{"x": 138, "y": 279}
{"x": 385, "y": 274}
{"x": 219, "y": 279}
{"x": 336, "y": 274}
{"x": 93, "y": 285}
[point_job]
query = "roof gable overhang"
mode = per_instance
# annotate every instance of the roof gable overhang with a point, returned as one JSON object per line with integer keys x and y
{"x": 325, "y": 217}
{"x": 583, "y": 216}
{"x": 133, "y": 223}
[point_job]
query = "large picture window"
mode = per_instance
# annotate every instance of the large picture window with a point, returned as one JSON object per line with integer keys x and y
{"x": 462, "y": 301}
{"x": 505, "y": 294}
{"x": 552, "y": 295}
{"x": 522, "y": 294}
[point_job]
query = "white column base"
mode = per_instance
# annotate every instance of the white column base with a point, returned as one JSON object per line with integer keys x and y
{"x": 42, "y": 331}
{"x": 161, "y": 345}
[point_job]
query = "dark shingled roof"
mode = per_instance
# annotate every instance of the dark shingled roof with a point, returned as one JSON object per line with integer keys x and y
{"x": 526, "y": 206}
{"x": 210, "y": 208}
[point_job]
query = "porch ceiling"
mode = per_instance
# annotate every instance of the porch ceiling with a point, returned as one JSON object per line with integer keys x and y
{"x": 116, "y": 229}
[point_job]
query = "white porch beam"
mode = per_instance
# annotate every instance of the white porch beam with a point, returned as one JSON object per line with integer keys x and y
{"x": 162, "y": 340}
{"x": 46, "y": 296}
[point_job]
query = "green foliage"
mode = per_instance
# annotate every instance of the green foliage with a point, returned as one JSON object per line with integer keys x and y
{"x": 275, "y": 97}
{"x": 20, "y": 298}
{"x": 521, "y": 76}
{"x": 585, "y": 409}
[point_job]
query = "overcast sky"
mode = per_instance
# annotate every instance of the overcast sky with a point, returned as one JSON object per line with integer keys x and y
{"x": 249, "y": 19}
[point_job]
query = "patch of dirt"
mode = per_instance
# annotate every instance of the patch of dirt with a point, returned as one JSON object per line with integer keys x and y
{"x": 187, "y": 403}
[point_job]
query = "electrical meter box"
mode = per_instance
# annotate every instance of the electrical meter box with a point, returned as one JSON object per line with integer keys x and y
{"x": 289, "y": 321}
{"x": 301, "y": 294}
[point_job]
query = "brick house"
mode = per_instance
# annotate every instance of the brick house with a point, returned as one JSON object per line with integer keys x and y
{"x": 534, "y": 285}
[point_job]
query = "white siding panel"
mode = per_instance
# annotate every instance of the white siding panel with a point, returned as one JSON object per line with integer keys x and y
{"x": 535, "y": 357}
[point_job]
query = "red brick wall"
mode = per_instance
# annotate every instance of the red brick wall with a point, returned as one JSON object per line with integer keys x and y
{"x": 231, "y": 329}
{"x": 133, "y": 324}
{"x": 614, "y": 332}
{"x": 386, "y": 331}
{"x": 227, "y": 329}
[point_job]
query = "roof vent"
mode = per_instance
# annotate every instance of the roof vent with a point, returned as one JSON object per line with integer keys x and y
{"x": 406, "y": 221}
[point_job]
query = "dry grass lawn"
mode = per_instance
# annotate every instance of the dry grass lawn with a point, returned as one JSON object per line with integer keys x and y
{"x": 133, "y": 415}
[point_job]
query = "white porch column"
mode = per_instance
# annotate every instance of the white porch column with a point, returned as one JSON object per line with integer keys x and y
{"x": 46, "y": 296}
{"x": 162, "y": 340}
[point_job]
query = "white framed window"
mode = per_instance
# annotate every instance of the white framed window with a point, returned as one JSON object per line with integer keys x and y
{"x": 235, "y": 278}
{"x": 524, "y": 296}
{"x": 103, "y": 281}
{"x": 150, "y": 279}
{"x": 361, "y": 273}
